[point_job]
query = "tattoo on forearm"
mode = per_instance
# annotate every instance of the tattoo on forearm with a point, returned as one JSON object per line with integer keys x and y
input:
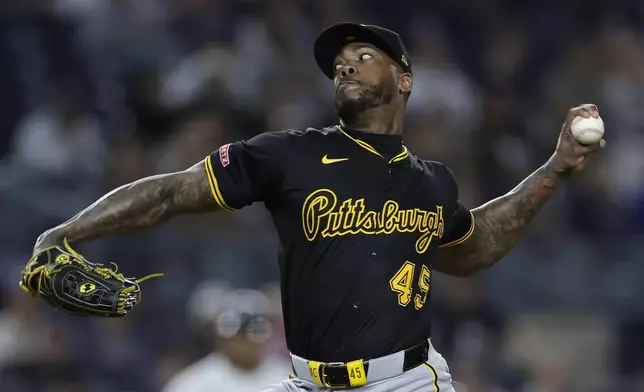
{"x": 141, "y": 204}
{"x": 502, "y": 221}
{"x": 500, "y": 224}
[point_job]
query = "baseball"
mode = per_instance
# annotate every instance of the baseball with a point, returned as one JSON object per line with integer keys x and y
{"x": 587, "y": 130}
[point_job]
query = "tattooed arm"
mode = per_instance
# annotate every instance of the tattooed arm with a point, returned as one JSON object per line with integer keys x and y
{"x": 144, "y": 203}
{"x": 245, "y": 172}
{"x": 499, "y": 225}
{"x": 501, "y": 222}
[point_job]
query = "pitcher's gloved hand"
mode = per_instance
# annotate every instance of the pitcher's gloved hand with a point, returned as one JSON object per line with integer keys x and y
{"x": 68, "y": 281}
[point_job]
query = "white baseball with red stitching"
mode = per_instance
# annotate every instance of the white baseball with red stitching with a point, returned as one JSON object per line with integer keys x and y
{"x": 587, "y": 130}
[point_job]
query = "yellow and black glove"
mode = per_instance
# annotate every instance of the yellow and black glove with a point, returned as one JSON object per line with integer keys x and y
{"x": 67, "y": 281}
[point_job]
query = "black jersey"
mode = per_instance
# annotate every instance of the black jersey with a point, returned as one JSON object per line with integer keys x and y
{"x": 359, "y": 220}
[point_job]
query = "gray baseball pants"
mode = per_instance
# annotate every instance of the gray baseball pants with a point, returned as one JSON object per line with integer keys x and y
{"x": 433, "y": 376}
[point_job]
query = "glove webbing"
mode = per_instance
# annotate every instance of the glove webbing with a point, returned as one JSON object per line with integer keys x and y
{"x": 99, "y": 269}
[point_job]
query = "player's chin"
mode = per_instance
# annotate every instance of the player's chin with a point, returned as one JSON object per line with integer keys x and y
{"x": 348, "y": 92}
{"x": 349, "y": 102}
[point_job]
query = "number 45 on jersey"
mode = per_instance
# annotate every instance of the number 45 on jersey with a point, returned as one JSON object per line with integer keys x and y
{"x": 402, "y": 284}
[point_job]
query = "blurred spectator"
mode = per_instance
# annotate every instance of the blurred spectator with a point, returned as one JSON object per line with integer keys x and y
{"x": 241, "y": 329}
{"x": 25, "y": 335}
{"x": 468, "y": 331}
{"x": 439, "y": 85}
{"x": 60, "y": 137}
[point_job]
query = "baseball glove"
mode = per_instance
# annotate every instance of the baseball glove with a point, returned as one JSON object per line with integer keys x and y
{"x": 67, "y": 281}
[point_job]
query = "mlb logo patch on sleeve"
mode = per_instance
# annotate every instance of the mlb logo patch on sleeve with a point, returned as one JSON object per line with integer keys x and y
{"x": 223, "y": 155}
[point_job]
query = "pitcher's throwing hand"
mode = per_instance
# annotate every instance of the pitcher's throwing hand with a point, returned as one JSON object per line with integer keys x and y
{"x": 570, "y": 155}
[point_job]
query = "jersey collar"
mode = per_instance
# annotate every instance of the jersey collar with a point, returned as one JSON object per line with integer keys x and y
{"x": 404, "y": 154}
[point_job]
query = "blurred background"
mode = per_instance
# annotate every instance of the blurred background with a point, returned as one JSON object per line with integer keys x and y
{"x": 97, "y": 93}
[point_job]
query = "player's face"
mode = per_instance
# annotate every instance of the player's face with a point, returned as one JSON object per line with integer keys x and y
{"x": 365, "y": 77}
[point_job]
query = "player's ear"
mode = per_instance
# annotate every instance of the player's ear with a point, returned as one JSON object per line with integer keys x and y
{"x": 405, "y": 81}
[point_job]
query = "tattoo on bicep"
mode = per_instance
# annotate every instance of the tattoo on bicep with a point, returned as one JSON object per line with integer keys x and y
{"x": 193, "y": 193}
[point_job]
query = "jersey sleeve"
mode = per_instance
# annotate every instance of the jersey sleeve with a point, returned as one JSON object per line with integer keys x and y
{"x": 459, "y": 225}
{"x": 245, "y": 172}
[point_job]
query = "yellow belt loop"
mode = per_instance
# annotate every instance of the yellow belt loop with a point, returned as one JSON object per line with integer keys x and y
{"x": 315, "y": 369}
{"x": 357, "y": 376}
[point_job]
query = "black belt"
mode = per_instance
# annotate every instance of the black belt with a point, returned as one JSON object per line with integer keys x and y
{"x": 336, "y": 376}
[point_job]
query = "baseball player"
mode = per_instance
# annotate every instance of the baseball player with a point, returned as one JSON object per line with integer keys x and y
{"x": 362, "y": 222}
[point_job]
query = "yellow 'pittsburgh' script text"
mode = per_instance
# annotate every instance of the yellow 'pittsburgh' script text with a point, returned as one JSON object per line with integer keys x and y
{"x": 323, "y": 215}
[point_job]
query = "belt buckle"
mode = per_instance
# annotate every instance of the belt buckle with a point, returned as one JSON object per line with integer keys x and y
{"x": 325, "y": 383}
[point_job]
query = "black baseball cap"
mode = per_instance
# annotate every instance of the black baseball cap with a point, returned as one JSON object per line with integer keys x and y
{"x": 334, "y": 38}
